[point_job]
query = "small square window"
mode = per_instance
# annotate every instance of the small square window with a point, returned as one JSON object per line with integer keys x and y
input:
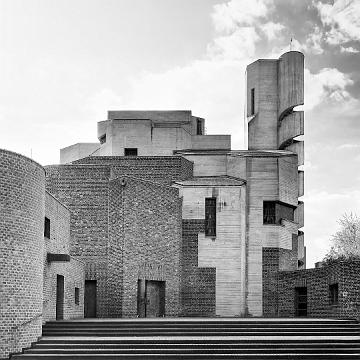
{"x": 47, "y": 228}
{"x": 334, "y": 294}
{"x": 130, "y": 151}
{"x": 77, "y": 296}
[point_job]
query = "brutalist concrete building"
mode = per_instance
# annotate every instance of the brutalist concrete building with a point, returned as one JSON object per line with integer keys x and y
{"x": 160, "y": 219}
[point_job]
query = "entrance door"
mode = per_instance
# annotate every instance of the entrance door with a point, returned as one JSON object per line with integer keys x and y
{"x": 301, "y": 301}
{"x": 59, "y": 297}
{"x": 90, "y": 299}
{"x": 151, "y": 298}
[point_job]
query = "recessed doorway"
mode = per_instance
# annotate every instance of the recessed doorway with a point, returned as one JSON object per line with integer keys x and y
{"x": 90, "y": 299}
{"x": 59, "y": 297}
{"x": 151, "y": 298}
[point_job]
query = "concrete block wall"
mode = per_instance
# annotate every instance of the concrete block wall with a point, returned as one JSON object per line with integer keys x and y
{"x": 226, "y": 251}
{"x": 22, "y": 207}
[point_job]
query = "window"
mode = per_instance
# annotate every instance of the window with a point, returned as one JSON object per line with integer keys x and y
{"x": 103, "y": 139}
{"x": 274, "y": 211}
{"x": 334, "y": 294}
{"x": 210, "y": 217}
{"x": 269, "y": 212}
{"x": 47, "y": 228}
{"x": 77, "y": 296}
{"x": 198, "y": 127}
{"x": 130, "y": 151}
{"x": 252, "y": 101}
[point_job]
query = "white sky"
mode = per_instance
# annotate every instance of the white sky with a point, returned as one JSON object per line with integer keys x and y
{"x": 64, "y": 63}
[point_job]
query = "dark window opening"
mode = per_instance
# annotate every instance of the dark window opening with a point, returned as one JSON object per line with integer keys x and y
{"x": 103, "y": 139}
{"x": 199, "y": 127}
{"x": 210, "y": 217}
{"x": 77, "y": 296}
{"x": 275, "y": 211}
{"x": 47, "y": 228}
{"x": 130, "y": 151}
{"x": 334, "y": 294}
{"x": 301, "y": 301}
{"x": 269, "y": 212}
{"x": 252, "y": 101}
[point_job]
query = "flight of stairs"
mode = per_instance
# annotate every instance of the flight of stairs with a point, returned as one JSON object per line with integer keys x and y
{"x": 197, "y": 339}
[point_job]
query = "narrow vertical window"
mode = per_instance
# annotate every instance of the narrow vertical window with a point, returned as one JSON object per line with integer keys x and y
{"x": 198, "y": 127}
{"x": 269, "y": 215}
{"x": 47, "y": 228}
{"x": 252, "y": 101}
{"x": 210, "y": 216}
{"x": 77, "y": 296}
{"x": 334, "y": 294}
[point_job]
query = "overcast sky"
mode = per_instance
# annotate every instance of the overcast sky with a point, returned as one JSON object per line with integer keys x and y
{"x": 64, "y": 63}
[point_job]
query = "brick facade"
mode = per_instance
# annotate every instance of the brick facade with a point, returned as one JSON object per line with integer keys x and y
{"x": 22, "y": 193}
{"x": 73, "y": 271}
{"x": 344, "y": 273}
{"x": 274, "y": 260}
{"x": 161, "y": 169}
{"x": 152, "y": 240}
{"x": 101, "y": 209}
{"x": 198, "y": 285}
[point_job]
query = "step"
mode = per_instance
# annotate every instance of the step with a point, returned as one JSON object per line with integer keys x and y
{"x": 291, "y": 355}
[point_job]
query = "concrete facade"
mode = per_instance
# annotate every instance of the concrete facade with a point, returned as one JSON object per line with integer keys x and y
{"x": 133, "y": 211}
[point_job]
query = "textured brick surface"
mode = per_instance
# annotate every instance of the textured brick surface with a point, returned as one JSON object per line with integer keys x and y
{"x": 151, "y": 236}
{"x": 317, "y": 281}
{"x": 72, "y": 271}
{"x": 22, "y": 193}
{"x": 99, "y": 217}
{"x": 198, "y": 285}
{"x": 274, "y": 260}
{"x": 162, "y": 169}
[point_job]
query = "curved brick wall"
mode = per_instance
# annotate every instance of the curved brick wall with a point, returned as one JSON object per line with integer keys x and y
{"x": 22, "y": 206}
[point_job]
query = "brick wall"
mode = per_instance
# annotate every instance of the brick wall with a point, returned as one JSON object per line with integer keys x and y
{"x": 274, "y": 260}
{"x": 22, "y": 193}
{"x": 96, "y": 208}
{"x": 345, "y": 273}
{"x": 198, "y": 285}
{"x": 73, "y": 271}
{"x": 162, "y": 169}
{"x": 151, "y": 240}
{"x": 84, "y": 190}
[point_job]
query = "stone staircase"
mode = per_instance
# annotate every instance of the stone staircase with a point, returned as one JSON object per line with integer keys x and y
{"x": 197, "y": 339}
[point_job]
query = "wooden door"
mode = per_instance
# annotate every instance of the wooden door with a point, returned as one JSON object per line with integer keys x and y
{"x": 155, "y": 298}
{"x": 141, "y": 299}
{"x": 59, "y": 297}
{"x": 301, "y": 301}
{"x": 90, "y": 299}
